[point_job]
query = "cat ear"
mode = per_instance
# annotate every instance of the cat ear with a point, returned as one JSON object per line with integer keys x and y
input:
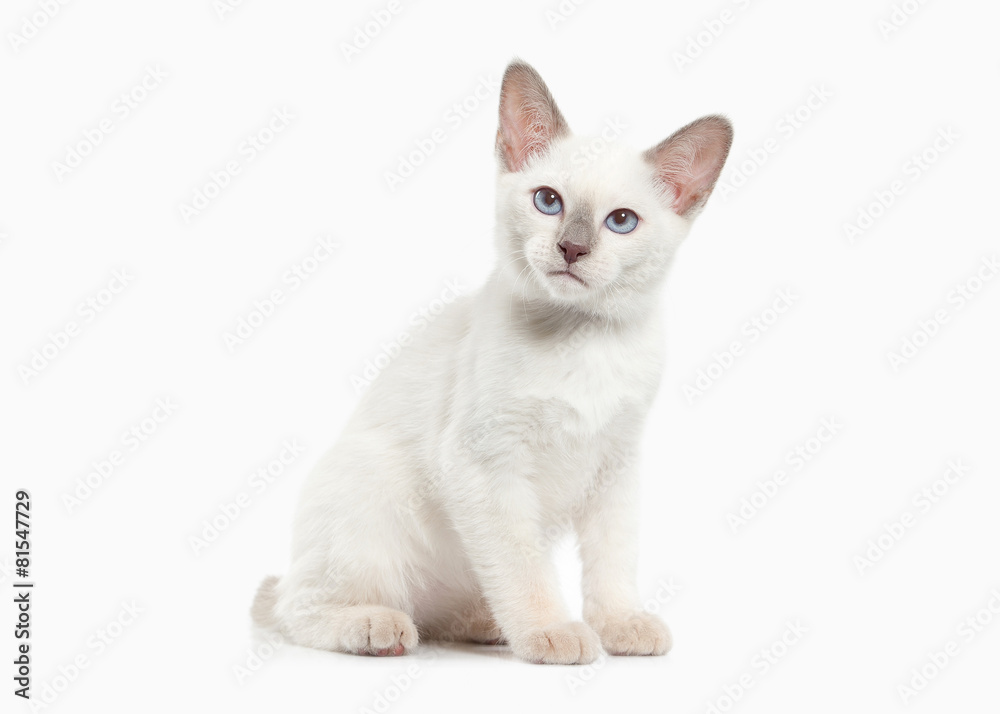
{"x": 529, "y": 117}
{"x": 689, "y": 162}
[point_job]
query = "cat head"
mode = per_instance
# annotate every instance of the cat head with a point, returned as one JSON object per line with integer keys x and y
{"x": 593, "y": 231}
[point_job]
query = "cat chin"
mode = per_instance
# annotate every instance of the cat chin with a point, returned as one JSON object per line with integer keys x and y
{"x": 583, "y": 296}
{"x": 564, "y": 279}
{"x": 563, "y": 286}
{"x": 565, "y": 292}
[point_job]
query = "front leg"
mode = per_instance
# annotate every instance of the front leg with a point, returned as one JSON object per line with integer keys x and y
{"x": 607, "y": 528}
{"x": 496, "y": 516}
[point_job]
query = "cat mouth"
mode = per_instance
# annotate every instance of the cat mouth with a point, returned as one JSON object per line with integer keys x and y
{"x": 570, "y": 275}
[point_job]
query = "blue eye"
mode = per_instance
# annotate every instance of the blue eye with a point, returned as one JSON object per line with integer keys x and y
{"x": 622, "y": 221}
{"x": 547, "y": 201}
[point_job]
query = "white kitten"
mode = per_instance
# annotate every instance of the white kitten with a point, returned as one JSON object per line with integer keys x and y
{"x": 516, "y": 411}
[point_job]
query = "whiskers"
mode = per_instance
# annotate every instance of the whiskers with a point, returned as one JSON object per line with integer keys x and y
{"x": 513, "y": 292}
{"x": 518, "y": 255}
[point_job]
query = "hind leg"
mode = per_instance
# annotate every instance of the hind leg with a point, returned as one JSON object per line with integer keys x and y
{"x": 312, "y": 618}
{"x": 360, "y": 550}
{"x": 356, "y": 601}
{"x": 356, "y": 629}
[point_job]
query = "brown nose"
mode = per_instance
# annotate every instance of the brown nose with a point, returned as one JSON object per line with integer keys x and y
{"x": 571, "y": 251}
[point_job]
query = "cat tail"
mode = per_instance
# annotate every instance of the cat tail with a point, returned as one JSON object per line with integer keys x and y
{"x": 264, "y": 603}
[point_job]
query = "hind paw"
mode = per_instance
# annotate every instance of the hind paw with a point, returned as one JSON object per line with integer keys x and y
{"x": 379, "y": 631}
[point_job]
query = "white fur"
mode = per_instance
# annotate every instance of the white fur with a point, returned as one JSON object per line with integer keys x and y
{"x": 518, "y": 410}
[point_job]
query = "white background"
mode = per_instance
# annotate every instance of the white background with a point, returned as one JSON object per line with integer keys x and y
{"x": 162, "y": 336}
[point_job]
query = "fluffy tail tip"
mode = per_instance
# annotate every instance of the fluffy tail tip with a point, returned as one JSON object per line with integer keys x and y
{"x": 264, "y": 602}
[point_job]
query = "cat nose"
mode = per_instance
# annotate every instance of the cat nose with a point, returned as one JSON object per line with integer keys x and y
{"x": 572, "y": 251}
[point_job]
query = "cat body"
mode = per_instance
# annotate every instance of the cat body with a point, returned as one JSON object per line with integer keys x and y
{"x": 513, "y": 419}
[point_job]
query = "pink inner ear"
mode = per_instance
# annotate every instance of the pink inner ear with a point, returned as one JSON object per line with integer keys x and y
{"x": 529, "y": 117}
{"x": 690, "y": 188}
{"x": 690, "y": 161}
{"x": 525, "y": 129}
{"x": 524, "y": 135}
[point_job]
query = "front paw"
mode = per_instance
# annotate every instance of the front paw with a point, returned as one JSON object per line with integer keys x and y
{"x": 563, "y": 643}
{"x": 634, "y": 633}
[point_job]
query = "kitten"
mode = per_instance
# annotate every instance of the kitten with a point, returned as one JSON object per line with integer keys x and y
{"x": 515, "y": 415}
